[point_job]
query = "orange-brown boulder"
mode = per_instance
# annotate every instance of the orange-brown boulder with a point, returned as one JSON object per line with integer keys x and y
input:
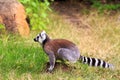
{"x": 12, "y": 15}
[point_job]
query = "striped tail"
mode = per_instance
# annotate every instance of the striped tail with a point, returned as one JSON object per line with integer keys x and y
{"x": 95, "y": 62}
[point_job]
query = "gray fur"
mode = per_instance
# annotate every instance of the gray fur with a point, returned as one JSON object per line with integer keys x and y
{"x": 52, "y": 61}
{"x": 67, "y": 54}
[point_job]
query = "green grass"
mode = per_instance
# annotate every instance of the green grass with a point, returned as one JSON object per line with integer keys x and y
{"x": 20, "y": 55}
{"x": 23, "y": 59}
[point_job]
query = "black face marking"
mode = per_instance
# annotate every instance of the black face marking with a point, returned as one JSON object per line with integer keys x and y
{"x": 40, "y": 35}
{"x": 37, "y": 37}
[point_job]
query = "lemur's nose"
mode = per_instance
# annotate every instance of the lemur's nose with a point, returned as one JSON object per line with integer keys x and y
{"x": 35, "y": 39}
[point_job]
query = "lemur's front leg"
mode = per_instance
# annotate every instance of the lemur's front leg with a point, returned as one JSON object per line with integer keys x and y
{"x": 51, "y": 61}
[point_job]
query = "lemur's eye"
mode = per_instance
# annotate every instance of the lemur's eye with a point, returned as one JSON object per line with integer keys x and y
{"x": 37, "y": 37}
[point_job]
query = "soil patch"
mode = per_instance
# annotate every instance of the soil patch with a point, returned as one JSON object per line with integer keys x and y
{"x": 70, "y": 12}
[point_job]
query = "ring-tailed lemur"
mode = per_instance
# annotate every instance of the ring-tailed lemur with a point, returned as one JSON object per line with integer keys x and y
{"x": 65, "y": 50}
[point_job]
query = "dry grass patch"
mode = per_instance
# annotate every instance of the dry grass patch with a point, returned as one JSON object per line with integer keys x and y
{"x": 101, "y": 39}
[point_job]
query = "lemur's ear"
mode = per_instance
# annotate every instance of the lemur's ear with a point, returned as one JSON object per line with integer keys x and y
{"x": 43, "y": 34}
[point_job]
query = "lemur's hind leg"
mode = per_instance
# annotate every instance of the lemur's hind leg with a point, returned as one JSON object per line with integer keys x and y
{"x": 69, "y": 55}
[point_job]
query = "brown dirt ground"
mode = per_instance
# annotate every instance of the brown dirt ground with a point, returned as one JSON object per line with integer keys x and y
{"x": 70, "y": 12}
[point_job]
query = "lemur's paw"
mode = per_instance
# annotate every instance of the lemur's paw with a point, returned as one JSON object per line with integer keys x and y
{"x": 49, "y": 70}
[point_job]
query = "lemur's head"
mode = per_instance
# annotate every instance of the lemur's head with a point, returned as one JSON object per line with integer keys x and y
{"x": 41, "y": 37}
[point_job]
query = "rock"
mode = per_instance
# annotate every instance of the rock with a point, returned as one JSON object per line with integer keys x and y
{"x": 12, "y": 15}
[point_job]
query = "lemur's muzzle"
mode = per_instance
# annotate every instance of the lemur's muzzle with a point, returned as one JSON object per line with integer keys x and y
{"x": 35, "y": 40}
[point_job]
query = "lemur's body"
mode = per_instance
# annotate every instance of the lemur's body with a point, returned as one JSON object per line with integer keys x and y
{"x": 65, "y": 50}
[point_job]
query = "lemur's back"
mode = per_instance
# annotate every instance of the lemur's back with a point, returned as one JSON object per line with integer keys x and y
{"x": 62, "y": 49}
{"x": 56, "y": 44}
